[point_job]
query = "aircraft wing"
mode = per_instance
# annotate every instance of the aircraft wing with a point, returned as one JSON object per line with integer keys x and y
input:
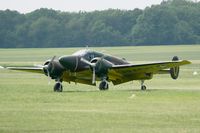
{"x": 27, "y": 69}
{"x": 128, "y": 72}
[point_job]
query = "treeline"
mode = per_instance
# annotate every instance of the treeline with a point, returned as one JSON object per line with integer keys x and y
{"x": 171, "y": 22}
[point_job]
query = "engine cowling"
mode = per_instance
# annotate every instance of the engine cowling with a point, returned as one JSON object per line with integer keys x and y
{"x": 101, "y": 66}
{"x": 174, "y": 72}
{"x": 53, "y": 69}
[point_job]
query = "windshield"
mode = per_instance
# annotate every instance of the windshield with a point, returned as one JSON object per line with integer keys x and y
{"x": 81, "y": 52}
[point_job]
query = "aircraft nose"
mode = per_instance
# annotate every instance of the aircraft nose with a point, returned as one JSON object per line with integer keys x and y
{"x": 69, "y": 62}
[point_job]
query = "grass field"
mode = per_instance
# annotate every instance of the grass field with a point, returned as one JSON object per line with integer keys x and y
{"x": 28, "y": 104}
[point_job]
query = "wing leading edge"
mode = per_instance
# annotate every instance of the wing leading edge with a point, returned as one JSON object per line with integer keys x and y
{"x": 27, "y": 69}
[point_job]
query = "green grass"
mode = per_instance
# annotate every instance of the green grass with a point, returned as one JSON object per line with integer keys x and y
{"x": 28, "y": 104}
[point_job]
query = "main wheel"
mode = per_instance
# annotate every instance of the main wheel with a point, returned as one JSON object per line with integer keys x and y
{"x": 103, "y": 85}
{"x": 143, "y": 87}
{"x": 174, "y": 71}
{"x": 58, "y": 87}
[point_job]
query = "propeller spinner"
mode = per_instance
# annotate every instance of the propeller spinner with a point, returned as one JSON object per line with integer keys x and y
{"x": 48, "y": 68}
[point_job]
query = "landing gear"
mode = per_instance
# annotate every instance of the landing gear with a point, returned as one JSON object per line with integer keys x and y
{"x": 143, "y": 87}
{"x": 58, "y": 87}
{"x": 103, "y": 85}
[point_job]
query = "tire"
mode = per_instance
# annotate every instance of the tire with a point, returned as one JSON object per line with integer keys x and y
{"x": 174, "y": 72}
{"x": 58, "y": 87}
{"x": 143, "y": 87}
{"x": 103, "y": 85}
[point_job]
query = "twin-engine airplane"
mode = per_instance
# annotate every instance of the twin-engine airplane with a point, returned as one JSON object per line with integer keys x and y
{"x": 87, "y": 67}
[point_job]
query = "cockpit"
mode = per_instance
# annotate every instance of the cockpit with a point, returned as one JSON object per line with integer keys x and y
{"x": 82, "y": 52}
{"x": 88, "y": 54}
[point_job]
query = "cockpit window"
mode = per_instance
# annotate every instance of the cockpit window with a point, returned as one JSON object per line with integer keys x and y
{"x": 81, "y": 52}
{"x": 88, "y": 54}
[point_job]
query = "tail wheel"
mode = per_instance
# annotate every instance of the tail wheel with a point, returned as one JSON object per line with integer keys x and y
{"x": 174, "y": 72}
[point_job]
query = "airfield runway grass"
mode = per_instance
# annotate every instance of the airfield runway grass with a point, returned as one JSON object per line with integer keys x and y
{"x": 28, "y": 104}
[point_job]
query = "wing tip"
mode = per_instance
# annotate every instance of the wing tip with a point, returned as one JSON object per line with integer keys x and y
{"x": 187, "y": 62}
{"x": 1, "y": 67}
{"x": 24, "y": 68}
{"x": 11, "y": 68}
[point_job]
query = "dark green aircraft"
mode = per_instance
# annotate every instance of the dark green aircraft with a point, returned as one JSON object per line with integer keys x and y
{"x": 87, "y": 67}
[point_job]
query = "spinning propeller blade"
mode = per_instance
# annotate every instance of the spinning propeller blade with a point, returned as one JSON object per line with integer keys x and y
{"x": 93, "y": 76}
{"x": 49, "y": 69}
{"x": 87, "y": 62}
{"x": 53, "y": 58}
{"x": 93, "y": 65}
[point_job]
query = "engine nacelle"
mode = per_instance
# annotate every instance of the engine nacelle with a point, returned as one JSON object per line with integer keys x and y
{"x": 54, "y": 70}
{"x": 174, "y": 72}
{"x": 101, "y": 66}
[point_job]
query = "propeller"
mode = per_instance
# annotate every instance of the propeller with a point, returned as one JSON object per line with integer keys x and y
{"x": 49, "y": 78}
{"x": 49, "y": 68}
{"x": 93, "y": 76}
{"x": 93, "y": 65}
{"x": 51, "y": 65}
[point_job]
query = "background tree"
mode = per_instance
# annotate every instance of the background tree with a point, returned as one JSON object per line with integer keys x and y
{"x": 171, "y": 22}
